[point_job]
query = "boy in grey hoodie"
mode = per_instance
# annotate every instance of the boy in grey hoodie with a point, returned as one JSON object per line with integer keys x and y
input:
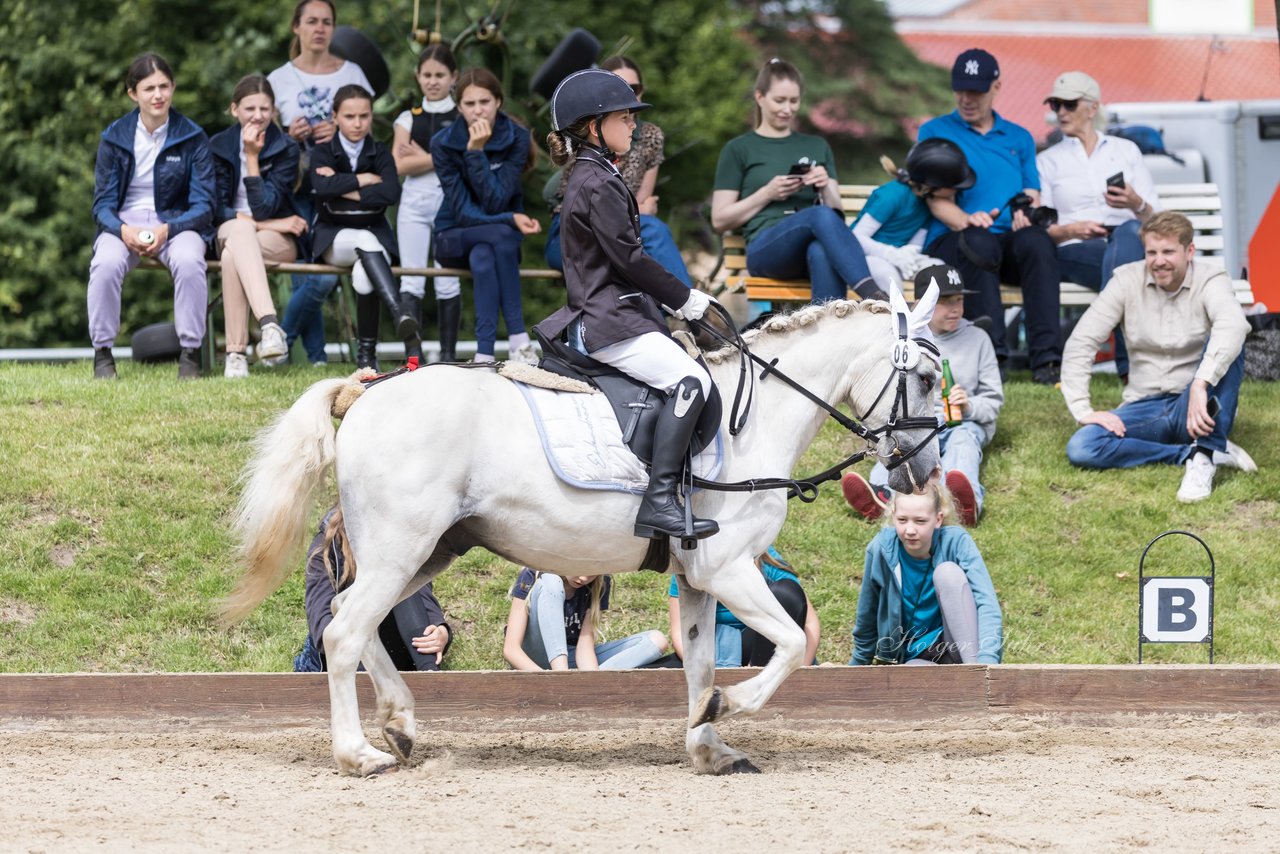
{"x": 977, "y": 393}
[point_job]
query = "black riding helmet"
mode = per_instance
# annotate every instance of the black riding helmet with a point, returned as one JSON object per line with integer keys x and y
{"x": 939, "y": 163}
{"x": 592, "y": 92}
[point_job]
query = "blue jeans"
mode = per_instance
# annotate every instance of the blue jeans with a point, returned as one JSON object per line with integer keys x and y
{"x": 545, "y": 640}
{"x": 492, "y": 254}
{"x": 961, "y": 448}
{"x": 1092, "y": 262}
{"x": 304, "y": 315}
{"x": 1155, "y": 429}
{"x": 654, "y": 235}
{"x": 1028, "y": 258}
{"x": 812, "y": 244}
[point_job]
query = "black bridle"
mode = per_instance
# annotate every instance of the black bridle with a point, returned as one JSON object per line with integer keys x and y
{"x": 806, "y": 489}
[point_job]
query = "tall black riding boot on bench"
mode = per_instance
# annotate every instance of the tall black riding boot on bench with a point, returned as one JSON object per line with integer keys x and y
{"x": 368, "y": 313}
{"x": 411, "y": 304}
{"x": 660, "y": 513}
{"x": 449, "y": 318}
{"x": 384, "y": 285}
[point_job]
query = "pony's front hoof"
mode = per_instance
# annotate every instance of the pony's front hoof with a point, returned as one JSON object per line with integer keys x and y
{"x": 400, "y": 742}
{"x": 742, "y": 766}
{"x": 709, "y": 707}
{"x": 379, "y": 768}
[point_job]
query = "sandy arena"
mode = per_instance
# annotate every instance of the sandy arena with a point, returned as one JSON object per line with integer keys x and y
{"x": 1008, "y": 783}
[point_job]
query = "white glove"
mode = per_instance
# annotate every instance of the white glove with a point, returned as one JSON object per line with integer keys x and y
{"x": 695, "y": 306}
{"x": 925, "y": 261}
{"x": 904, "y": 258}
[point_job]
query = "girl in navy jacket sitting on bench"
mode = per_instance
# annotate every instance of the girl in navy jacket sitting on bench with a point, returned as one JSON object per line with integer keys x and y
{"x": 255, "y": 165}
{"x": 152, "y": 198}
{"x": 482, "y": 222}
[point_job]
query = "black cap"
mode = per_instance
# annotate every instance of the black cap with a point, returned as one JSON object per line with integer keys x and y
{"x": 974, "y": 71}
{"x": 947, "y": 277}
{"x": 591, "y": 92}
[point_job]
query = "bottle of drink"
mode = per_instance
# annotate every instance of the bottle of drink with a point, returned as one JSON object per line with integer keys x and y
{"x": 950, "y": 414}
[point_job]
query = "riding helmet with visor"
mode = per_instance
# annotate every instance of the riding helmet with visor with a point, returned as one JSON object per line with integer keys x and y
{"x": 939, "y": 163}
{"x": 592, "y": 92}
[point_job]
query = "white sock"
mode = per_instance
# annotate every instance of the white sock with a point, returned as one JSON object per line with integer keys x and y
{"x": 515, "y": 342}
{"x": 483, "y": 357}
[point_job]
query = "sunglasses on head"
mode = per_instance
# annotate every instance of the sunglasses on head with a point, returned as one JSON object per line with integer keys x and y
{"x": 1056, "y": 104}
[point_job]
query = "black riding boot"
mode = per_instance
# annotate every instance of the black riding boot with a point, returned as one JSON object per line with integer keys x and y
{"x": 367, "y": 317}
{"x": 411, "y": 304}
{"x": 449, "y": 318}
{"x": 384, "y": 285}
{"x": 660, "y": 513}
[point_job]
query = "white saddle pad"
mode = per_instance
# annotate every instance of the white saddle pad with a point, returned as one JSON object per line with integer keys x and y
{"x": 583, "y": 442}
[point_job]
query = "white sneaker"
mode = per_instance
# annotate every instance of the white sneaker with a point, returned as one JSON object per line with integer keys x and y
{"x": 273, "y": 344}
{"x": 1197, "y": 480}
{"x": 525, "y": 355}
{"x": 1235, "y": 457}
{"x": 237, "y": 367}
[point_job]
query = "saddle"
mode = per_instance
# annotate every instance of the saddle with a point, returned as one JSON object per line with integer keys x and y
{"x": 635, "y": 404}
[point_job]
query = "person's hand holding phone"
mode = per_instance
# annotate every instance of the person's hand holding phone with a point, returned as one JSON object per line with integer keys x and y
{"x": 322, "y": 132}
{"x": 816, "y": 176}
{"x": 1121, "y": 195}
{"x": 781, "y": 187}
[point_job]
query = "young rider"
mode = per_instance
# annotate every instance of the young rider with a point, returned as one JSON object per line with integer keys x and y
{"x": 615, "y": 289}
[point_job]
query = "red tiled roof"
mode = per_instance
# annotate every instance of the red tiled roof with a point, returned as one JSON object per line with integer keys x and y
{"x": 1092, "y": 11}
{"x": 1128, "y": 68}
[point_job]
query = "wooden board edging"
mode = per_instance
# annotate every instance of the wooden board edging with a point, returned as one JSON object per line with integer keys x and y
{"x": 813, "y": 693}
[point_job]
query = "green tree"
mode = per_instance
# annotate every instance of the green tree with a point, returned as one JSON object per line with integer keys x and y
{"x": 699, "y": 59}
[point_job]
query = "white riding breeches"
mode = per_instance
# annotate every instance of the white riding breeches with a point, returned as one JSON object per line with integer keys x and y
{"x": 414, "y": 220}
{"x": 655, "y": 360}
{"x": 343, "y": 253}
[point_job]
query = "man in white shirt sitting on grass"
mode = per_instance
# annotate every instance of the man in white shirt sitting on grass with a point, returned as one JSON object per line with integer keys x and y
{"x": 1185, "y": 332}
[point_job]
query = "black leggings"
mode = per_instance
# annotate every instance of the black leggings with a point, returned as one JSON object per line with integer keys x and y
{"x": 756, "y": 648}
{"x": 406, "y": 621}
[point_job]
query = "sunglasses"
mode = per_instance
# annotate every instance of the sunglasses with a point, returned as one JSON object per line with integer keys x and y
{"x": 637, "y": 88}
{"x": 1056, "y": 104}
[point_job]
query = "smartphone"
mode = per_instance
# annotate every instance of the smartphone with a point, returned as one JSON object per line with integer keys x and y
{"x": 1214, "y": 408}
{"x": 1116, "y": 180}
{"x": 800, "y": 168}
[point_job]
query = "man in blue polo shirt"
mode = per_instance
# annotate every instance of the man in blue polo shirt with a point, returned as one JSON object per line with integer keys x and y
{"x": 980, "y": 233}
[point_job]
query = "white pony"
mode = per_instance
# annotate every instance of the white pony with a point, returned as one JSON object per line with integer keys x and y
{"x": 412, "y": 505}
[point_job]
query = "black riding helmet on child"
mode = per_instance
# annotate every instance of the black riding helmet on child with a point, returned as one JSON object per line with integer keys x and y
{"x": 592, "y": 93}
{"x": 939, "y": 164}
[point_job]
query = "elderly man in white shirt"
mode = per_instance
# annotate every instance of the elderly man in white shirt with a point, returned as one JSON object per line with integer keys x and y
{"x": 1100, "y": 187}
{"x": 1186, "y": 336}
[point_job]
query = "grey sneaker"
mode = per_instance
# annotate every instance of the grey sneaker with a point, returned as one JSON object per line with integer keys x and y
{"x": 237, "y": 367}
{"x": 189, "y": 364}
{"x": 1235, "y": 457}
{"x": 104, "y": 364}
{"x": 272, "y": 345}
{"x": 1197, "y": 480}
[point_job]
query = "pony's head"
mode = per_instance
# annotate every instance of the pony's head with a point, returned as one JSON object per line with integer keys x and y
{"x": 894, "y": 396}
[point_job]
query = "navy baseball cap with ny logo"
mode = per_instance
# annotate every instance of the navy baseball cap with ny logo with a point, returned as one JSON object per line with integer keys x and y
{"x": 975, "y": 70}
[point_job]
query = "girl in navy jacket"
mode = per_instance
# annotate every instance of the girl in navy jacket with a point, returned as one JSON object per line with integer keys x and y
{"x": 255, "y": 165}
{"x": 153, "y": 192}
{"x": 480, "y": 162}
{"x": 355, "y": 181}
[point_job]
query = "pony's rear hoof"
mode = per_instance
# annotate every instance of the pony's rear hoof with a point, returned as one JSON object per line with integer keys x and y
{"x": 742, "y": 766}
{"x": 709, "y": 707}
{"x": 399, "y": 741}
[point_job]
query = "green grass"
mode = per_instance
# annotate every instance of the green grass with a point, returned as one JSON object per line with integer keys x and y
{"x": 115, "y": 544}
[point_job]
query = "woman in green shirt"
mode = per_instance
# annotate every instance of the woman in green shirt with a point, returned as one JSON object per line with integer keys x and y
{"x": 779, "y": 186}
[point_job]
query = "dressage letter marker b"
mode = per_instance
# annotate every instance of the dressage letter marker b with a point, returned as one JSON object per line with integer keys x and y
{"x": 1175, "y": 609}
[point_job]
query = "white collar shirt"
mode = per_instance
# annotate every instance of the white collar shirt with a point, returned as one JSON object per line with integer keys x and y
{"x": 1075, "y": 183}
{"x": 352, "y": 149}
{"x": 141, "y": 195}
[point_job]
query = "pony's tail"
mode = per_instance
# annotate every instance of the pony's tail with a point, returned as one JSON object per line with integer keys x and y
{"x": 290, "y": 461}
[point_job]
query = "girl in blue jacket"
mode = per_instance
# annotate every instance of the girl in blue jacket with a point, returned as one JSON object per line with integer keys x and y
{"x": 255, "y": 165}
{"x": 926, "y": 596}
{"x": 482, "y": 222}
{"x": 152, "y": 197}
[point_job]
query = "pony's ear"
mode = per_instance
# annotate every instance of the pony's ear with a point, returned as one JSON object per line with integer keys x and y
{"x": 897, "y": 301}
{"x": 920, "y": 315}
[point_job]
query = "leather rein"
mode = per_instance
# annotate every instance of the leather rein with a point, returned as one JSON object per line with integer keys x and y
{"x": 806, "y": 489}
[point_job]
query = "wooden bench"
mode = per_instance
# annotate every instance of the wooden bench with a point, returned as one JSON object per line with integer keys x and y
{"x": 1200, "y": 202}
{"x": 208, "y": 348}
